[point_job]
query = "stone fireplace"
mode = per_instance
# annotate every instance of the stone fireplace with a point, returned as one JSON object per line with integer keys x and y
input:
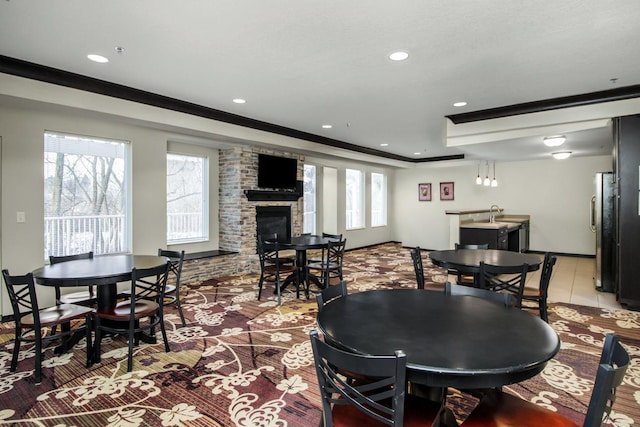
{"x": 238, "y": 216}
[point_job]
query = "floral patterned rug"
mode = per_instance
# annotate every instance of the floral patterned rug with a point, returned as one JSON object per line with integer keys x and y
{"x": 243, "y": 362}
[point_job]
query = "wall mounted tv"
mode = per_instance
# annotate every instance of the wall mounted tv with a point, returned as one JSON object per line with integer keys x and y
{"x": 279, "y": 173}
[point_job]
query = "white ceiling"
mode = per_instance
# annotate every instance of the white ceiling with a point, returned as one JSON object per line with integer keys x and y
{"x": 302, "y": 64}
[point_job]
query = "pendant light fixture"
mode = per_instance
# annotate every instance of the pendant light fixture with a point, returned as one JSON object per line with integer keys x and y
{"x": 487, "y": 181}
{"x": 494, "y": 182}
{"x": 478, "y": 179}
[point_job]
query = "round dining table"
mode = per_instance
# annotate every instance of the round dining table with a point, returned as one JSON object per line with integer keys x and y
{"x": 103, "y": 271}
{"x": 467, "y": 261}
{"x": 301, "y": 244}
{"x": 450, "y": 341}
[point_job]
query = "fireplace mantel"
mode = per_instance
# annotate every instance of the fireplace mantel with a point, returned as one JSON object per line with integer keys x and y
{"x": 272, "y": 195}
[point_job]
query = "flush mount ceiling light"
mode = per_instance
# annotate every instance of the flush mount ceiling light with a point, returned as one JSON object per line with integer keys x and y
{"x": 398, "y": 56}
{"x": 240, "y": 101}
{"x": 327, "y": 126}
{"x": 459, "y": 104}
{"x": 561, "y": 155}
{"x": 554, "y": 141}
{"x": 384, "y": 145}
{"x": 97, "y": 58}
{"x": 417, "y": 153}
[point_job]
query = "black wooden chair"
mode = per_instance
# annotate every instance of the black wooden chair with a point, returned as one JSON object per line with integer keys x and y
{"x": 84, "y": 297}
{"x": 500, "y": 297}
{"x": 416, "y": 257}
{"x": 272, "y": 266}
{"x": 316, "y": 258}
{"x": 537, "y": 299}
{"x": 30, "y": 320}
{"x": 504, "y": 278}
{"x": 382, "y": 401}
{"x": 172, "y": 291}
{"x": 330, "y": 266}
{"x": 330, "y": 293}
{"x": 498, "y": 408}
{"x": 466, "y": 279}
{"x": 147, "y": 294}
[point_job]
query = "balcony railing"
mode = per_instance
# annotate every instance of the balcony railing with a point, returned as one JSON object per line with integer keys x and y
{"x": 76, "y": 234}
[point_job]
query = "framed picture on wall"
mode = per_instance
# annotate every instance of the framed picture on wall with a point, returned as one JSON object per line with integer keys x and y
{"x": 446, "y": 191}
{"x": 424, "y": 192}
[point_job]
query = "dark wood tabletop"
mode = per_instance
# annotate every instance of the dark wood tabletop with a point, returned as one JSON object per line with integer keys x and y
{"x": 104, "y": 271}
{"x": 304, "y": 242}
{"x": 468, "y": 260}
{"x": 450, "y": 341}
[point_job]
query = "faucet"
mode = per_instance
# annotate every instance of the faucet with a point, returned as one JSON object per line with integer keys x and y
{"x": 492, "y": 215}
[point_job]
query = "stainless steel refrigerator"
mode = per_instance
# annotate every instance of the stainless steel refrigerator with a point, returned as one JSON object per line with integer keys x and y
{"x": 603, "y": 223}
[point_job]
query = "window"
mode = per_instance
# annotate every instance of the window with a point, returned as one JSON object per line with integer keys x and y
{"x": 355, "y": 199}
{"x": 187, "y": 201}
{"x": 309, "y": 194}
{"x": 378, "y": 200}
{"x": 86, "y": 197}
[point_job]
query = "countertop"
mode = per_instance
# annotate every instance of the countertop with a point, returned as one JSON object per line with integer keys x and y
{"x": 492, "y": 225}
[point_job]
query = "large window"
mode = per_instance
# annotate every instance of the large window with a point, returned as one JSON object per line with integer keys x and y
{"x": 85, "y": 195}
{"x": 187, "y": 201}
{"x": 378, "y": 200}
{"x": 309, "y": 190}
{"x": 355, "y": 199}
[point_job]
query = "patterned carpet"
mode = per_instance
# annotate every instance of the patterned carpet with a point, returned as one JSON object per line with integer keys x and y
{"x": 242, "y": 362}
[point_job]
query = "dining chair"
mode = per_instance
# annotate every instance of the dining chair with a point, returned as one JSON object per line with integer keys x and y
{"x": 330, "y": 293}
{"x": 326, "y": 236}
{"x": 416, "y": 257}
{"x": 504, "y": 278}
{"x": 147, "y": 293}
{"x": 272, "y": 267}
{"x": 500, "y": 297}
{"x": 498, "y": 408}
{"x": 330, "y": 266}
{"x": 466, "y": 279}
{"x": 536, "y": 299}
{"x": 30, "y": 320}
{"x": 382, "y": 401}
{"x": 85, "y": 297}
{"x": 172, "y": 290}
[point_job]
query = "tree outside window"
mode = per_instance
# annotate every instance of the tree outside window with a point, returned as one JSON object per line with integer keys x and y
{"x": 309, "y": 200}
{"x": 355, "y": 199}
{"x": 378, "y": 200}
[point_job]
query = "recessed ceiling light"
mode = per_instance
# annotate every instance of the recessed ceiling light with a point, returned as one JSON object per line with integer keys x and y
{"x": 239, "y": 101}
{"x": 459, "y": 104}
{"x": 417, "y": 153}
{"x": 97, "y": 58}
{"x": 554, "y": 141}
{"x": 398, "y": 56}
{"x": 327, "y": 126}
{"x": 561, "y": 155}
{"x": 384, "y": 145}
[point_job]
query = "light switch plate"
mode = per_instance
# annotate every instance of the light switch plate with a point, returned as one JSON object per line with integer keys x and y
{"x": 21, "y": 217}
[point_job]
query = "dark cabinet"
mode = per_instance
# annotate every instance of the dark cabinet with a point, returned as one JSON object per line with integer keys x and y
{"x": 627, "y": 136}
{"x": 497, "y": 238}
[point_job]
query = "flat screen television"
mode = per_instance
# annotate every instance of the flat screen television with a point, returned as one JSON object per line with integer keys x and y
{"x": 278, "y": 173}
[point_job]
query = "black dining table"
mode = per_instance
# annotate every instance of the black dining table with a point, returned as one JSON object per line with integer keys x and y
{"x": 450, "y": 341}
{"x": 467, "y": 261}
{"x": 301, "y": 244}
{"x": 103, "y": 271}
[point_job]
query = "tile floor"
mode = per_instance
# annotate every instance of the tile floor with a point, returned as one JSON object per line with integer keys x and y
{"x": 572, "y": 282}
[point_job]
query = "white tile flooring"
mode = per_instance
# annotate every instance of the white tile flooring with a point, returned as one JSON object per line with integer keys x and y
{"x": 572, "y": 282}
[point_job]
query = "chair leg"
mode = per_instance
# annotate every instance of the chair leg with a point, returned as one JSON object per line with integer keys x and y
{"x": 16, "y": 351}
{"x": 167, "y": 349}
{"x": 278, "y": 288}
{"x": 89, "y": 327}
{"x": 38, "y": 342}
{"x": 132, "y": 338}
{"x": 180, "y": 306}
{"x": 260, "y": 285}
{"x": 98, "y": 340}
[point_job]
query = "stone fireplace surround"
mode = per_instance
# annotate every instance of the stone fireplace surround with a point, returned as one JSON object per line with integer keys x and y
{"x": 237, "y": 217}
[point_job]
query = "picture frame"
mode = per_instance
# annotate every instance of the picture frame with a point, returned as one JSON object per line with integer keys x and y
{"x": 424, "y": 192}
{"x": 446, "y": 191}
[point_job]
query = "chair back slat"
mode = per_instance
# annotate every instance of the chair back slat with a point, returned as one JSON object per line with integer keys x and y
{"x": 330, "y": 293}
{"x": 493, "y": 277}
{"x": 500, "y": 297}
{"x": 22, "y": 295}
{"x": 418, "y": 268}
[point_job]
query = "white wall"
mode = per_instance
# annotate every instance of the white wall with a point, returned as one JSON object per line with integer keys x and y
{"x": 555, "y": 193}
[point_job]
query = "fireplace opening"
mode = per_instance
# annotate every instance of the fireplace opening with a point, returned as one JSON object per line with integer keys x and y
{"x": 273, "y": 219}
